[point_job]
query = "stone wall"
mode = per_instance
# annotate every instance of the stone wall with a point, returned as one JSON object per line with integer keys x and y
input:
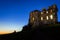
{"x": 46, "y": 16}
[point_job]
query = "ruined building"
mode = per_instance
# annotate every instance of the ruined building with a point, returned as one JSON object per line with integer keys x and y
{"x": 46, "y": 16}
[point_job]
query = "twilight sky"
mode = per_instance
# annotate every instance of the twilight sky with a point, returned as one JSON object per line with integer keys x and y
{"x": 14, "y": 14}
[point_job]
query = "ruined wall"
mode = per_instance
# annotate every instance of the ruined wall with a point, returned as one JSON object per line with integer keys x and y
{"x": 46, "y": 16}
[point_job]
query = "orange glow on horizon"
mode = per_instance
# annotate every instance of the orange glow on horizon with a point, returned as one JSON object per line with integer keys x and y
{"x": 5, "y": 32}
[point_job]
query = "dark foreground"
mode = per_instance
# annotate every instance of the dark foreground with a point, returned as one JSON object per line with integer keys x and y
{"x": 42, "y": 32}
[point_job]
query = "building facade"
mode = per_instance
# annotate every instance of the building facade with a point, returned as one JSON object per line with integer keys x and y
{"x": 46, "y": 16}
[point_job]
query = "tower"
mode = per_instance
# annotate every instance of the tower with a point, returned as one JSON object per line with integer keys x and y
{"x": 34, "y": 17}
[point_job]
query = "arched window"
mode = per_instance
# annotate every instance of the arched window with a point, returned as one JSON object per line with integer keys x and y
{"x": 41, "y": 18}
{"x": 47, "y": 17}
{"x": 51, "y": 16}
{"x": 33, "y": 18}
{"x": 41, "y": 12}
{"x": 46, "y": 11}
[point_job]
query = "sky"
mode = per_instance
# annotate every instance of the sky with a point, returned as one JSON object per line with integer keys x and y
{"x": 14, "y": 14}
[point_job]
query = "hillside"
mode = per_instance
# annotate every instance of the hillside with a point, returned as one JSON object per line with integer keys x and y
{"x": 41, "y": 32}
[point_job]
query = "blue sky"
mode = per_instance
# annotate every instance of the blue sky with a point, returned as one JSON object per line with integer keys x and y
{"x": 14, "y": 14}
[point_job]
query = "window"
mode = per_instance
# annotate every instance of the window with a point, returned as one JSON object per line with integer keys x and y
{"x": 33, "y": 18}
{"x": 47, "y": 17}
{"x": 46, "y": 11}
{"x": 51, "y": 10}
{"x": 41, "y": 12}
{"x": 41, "y": 18}
{"x": 51, "y": 16}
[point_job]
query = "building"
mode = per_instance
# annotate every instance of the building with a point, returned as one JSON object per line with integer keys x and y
{"x": 46, "y": 16}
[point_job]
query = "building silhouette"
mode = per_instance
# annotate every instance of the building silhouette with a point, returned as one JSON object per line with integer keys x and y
{"x": 46, "y": 16}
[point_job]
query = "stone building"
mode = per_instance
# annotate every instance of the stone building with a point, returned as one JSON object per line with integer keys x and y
{"x": 46, "y": 16}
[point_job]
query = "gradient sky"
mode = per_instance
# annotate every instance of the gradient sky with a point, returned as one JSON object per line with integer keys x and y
{"x": 14, "y": 14}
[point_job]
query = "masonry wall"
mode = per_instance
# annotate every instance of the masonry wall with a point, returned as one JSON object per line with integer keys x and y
{"x": 46, "y": 16}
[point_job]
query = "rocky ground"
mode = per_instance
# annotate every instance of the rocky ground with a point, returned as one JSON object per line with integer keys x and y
{"x": 41, "y": 32}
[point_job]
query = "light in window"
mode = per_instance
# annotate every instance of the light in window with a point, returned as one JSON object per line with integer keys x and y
{"x": 41, "y": 18}
{"x": 33, "y": 18}
{"x": 46, "y": 11}
{"x": 51, "y": 16}
{"x": 47, "y": 17}
{"x": 41, "y": 12}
